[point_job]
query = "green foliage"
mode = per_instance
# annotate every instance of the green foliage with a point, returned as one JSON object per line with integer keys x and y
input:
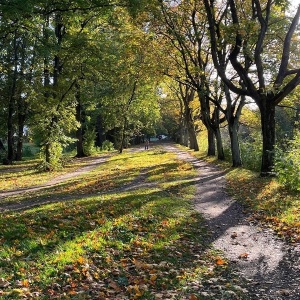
{"x": 54, "y": 163}
{"x": 251, "y": 150}
{"x": 89, "y": 142}
{"x": 287, "y": 164}
{"x": 27, "y": 151}
{"x": 107, "y": 146}
{"x": 3, "y": 155}
{"x": 30, "y": 150}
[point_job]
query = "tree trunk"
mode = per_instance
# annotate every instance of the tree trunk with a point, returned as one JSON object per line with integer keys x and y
{"x": 123, "y": 135}
{"x": 220, "y": 149}
{"x": 233, "y": 125}
{"x": 80, "y": 119}
{"x": 191, "y": 129}
{"x": 11, "y": 106}
{"x": 185, "y": 137}
{"x": 79, "y": 133}
{"x": 10, "y": 132}
{"x": 193, "y": 140}
{"x": 267, "y": 111}
{"x": 211, "y": 147}
{"x": 48, "y": 155}
{"x": 235, "y": 145}
{"x": 21, "y": 122}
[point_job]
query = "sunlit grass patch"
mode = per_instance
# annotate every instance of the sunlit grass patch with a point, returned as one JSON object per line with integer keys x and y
{"x": 116, "y": 245}
{"x": 25, "y": 174}
{"x": 271, "y": 201}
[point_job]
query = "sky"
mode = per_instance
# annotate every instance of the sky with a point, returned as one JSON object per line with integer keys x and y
{"x": 295, "y": 2}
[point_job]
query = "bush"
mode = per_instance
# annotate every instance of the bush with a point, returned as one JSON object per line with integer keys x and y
{"x": 89, "y": 142}
{"x": 251, "y": 154}
{"x": 27, "y": 151}
{"x": 55, "y": 157}
{"x": 287, "y": 164}
{"x": 107, "y": 146}
{"x": 3, "y": 155}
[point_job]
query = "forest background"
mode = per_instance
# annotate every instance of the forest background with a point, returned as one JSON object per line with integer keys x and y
{"x": 87, "y": 75}
{"x": 81, "y": 82}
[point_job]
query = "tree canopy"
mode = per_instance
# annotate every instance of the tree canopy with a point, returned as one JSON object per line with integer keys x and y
{"x": 86, "y": 71}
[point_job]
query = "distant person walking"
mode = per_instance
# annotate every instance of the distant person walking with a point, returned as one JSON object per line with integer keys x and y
{"x": 146, "y": 144}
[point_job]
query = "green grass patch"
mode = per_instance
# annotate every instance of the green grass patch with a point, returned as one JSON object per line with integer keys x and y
{"x": 271, "y": 202}
{"x": 26, "y": 174}
{"x": 104, "y": 242}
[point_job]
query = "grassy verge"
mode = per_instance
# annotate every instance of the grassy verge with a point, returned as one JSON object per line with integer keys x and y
{"x": 26, "y": 174}
{"x": 144, "y": 243}
{"x": 270, "y": 202}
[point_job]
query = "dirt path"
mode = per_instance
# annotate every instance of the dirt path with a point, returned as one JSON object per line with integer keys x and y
{"x": 270, "y": 267}
{"x": 91, "y": 165}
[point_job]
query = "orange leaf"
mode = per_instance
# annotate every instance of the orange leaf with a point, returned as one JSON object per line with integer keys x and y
{"x": 193, "y": 297}
{"x": 72, "y": 292}
{"x": 25, "y": 283}
{"x": 80, "y": 260}
{"x": 220, "y": 261}
{"x": 138, "y": 293}
{"x": 243, "y": 255}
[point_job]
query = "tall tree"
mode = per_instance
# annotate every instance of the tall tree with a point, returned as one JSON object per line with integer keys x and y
{"x": 262, "y": 76}
{"x": 184, "y": 26}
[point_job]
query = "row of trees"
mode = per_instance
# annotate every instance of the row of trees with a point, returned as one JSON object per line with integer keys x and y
{"x": 68, "y": 68}
{"x": 125, "y": 66}
{"x": 228, "y": 52}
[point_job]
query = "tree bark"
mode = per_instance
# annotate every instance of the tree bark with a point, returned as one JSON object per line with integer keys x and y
{"x": 234, "y": 143}
{"x": 10, "y": 132}
{"x": 80, "y": 119}
{"x": 220, "y": 149}
{"x": 11, "y": 105}
{"x": 211, "y": 147}
{"x": 21, "y": 123}
{"x": 48, "y": 155}
{"x": 267, "y": 111}
{"x": 123, "y": 135}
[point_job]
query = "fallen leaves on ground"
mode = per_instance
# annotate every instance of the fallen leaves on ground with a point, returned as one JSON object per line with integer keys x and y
{"x": 143, "y": 244}
{"x": 269, "y": 202}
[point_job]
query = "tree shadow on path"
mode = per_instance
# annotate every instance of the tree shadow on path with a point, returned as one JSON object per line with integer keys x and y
{"x": 269, "y": 265}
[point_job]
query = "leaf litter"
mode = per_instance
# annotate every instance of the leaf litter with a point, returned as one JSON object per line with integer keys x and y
{"x": 130, "y": 245}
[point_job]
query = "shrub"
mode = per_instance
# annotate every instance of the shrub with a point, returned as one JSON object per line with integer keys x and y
{"x": 3, "y": 155}
{"x": 55, "y": 157}
{"x": 89, "y": 142}
{"x": 107, "y": 146}
{"x": 27, "y": 151}
{"x": 287, "y": 163}
{"x": 251, "y": 151}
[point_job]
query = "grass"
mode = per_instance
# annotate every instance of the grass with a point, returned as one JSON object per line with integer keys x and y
{"x": 26, "y": 174}
{"x": 100, "y": 241}
{"x": 270, "y": 202}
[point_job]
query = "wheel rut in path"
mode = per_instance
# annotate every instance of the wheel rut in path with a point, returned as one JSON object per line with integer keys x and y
{"x": 91, "y": 165}
{"x": 270, "y": 267}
